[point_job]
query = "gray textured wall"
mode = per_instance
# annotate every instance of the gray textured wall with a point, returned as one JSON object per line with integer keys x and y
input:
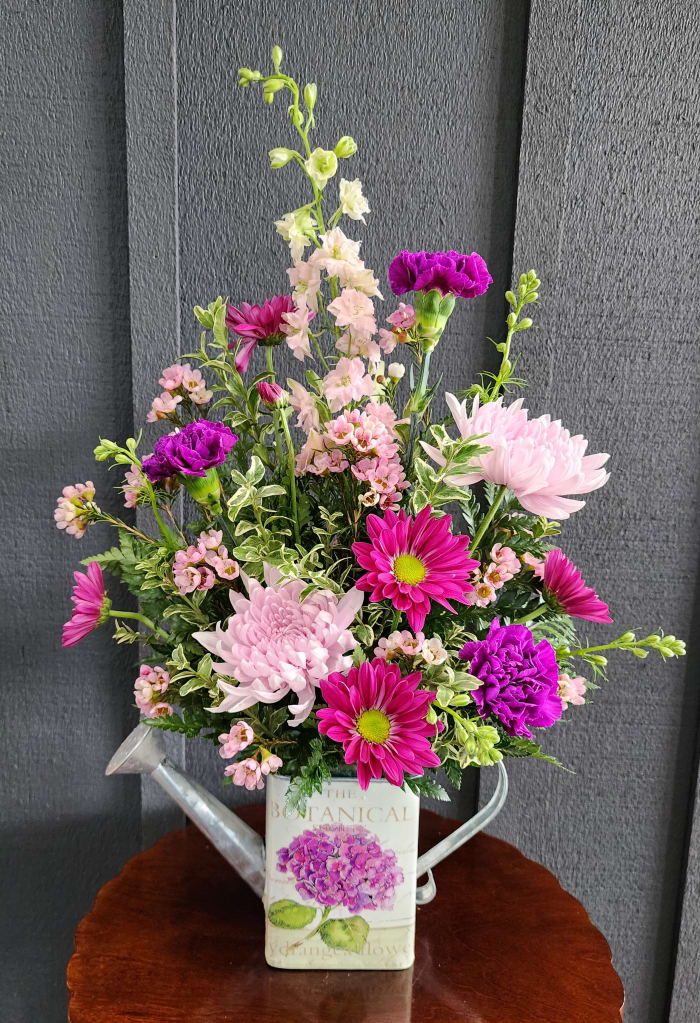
{"x": 605, "y": 211}
{"x": 64, "y": 326}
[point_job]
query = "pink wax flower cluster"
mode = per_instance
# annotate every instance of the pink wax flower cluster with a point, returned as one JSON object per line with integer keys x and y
{"x": 364, "y": 442}
{"x": 148, "y": 690}
{"x": 198, "y": 567}
{"x": 535, "y": 458}
{"x": 134, "y": 481}
{"x": 342, "y": 865}
{"x": 246, "y": 773}
{"x": 239, "y": 737}
{"x": 71, "y": 512}
{"x": 488, "y": 580}
{"x": 571, "y": 690}
{"x": 277, "y": 642}
{"x": 413, "y": 645}
{"x": 413, "y": 562}
{"x": 381, "y": 720}
{"x": 179, "y": 382}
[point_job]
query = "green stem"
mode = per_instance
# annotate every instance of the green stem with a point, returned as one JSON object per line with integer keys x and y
{"x": 582, "y": 651}
{"x": 487, "y": 519}
{"x": 532, "y": 615}
{"x": 275, "y": 415}
{"x": 292, "y": 476}
{"x": 164, "y": 531}
{"x": 321, "y": 922}
{"x": 141, "y": 618}
{"x": 420, "y": 391}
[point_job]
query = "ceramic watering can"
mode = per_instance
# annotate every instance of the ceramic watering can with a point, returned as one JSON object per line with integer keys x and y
{"x": 353, "y": 858}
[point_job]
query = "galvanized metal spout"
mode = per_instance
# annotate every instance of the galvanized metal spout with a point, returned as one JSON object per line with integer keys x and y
{"x": 143, "y": 752}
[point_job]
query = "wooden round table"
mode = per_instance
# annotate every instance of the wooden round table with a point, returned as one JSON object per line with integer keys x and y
{"x": 177, "y": 937}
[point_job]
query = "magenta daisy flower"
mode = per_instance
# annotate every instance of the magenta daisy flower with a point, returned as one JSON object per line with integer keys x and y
{"x": 380, "y": 718}
{"x": 255, "y": 323}
{"x": 91, "y": 605}
{"x": 412, "y": 562}
{"x": 566, "y": 592}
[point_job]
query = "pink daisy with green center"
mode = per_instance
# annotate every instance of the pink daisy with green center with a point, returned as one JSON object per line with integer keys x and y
{"x": 412, "y": 562}
{"x": 380, "y": 718}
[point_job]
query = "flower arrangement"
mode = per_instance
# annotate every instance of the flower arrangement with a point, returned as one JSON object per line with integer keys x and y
{"x": 364, "y": 586}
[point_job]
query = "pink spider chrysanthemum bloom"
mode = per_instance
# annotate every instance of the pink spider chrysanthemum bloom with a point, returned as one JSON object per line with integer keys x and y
{"x": 380, "y": 718}
{"x": 91, "y": 602}
{"x": 253, "y": 323}
{"x": 535, "y": 458}
{"x": 566, "y": 591}
{"x": 412, "y": 562}
{"x": 277, "y": 643}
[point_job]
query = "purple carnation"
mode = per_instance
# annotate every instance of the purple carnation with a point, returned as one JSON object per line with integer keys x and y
{"x": 449, "y": 272}
{"x": 342, "y": 865}
{"x": 520, "y": 680}
{"x": 191, "y": 451}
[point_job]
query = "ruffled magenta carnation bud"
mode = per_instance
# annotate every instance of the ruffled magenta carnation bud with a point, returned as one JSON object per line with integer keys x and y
{"x": 271, "y": 394}
{"x": 520, "y": 680}
{"x": 192, "y": 451}
{"x": 448, "y": 272}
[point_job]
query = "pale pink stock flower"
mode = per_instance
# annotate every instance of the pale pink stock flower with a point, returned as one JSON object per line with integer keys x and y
{"x": 571, "y": 690}
{"x": 148, "y": 688}
{"x": 306, "y": 281}
{"x": 335, "y": 251}
{"x": 275, "y": 643}
{"x": 354, "y": 310}
{"x": 163, "y": 407}
{"x": 70, "y": 512}
{"x": 304, "y": 405}
{"x": 296, "y": 330}
{"x": 348, "y": 382}
{"x": 536, "y": 458}
{"x": 271, "y": 764}
{"x": 247, "y": 773}
{"x": 238, "y": 738}
{"x": 404, "y": 318}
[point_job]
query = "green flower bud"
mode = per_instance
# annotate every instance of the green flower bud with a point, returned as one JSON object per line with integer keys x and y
{"x": 345, "y": 147}
{"x": 597, "y": 659}
{"x": 511, "y": 319}
{"x": 310, "y": 96}
{"x": 246, "y": 76}
{"x": 627, "y": 637}
{"x": 296, "y": 116}
{"x": 204, "y": 317}
{"x": 510, "y": 298}
{"x": 205, "y": 490}
{"x": 270, "y": 87}
{"x": 276, "y": 57}
{"x": 105, "y": 449}
{"x": 525, "y": 323}
{"x": 280, "y": 157}
{"x": 321, "y": 165}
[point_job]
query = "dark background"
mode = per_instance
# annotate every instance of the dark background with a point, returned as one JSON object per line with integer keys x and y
{"x": 134, "y": 182}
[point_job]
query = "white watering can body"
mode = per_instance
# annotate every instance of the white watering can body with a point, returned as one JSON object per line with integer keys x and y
{"x": 143, "y": 752}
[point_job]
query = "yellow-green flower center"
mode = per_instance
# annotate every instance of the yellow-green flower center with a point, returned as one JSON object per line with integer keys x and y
{"x": 408, "y": 569}
{"x": 374, "y": 726}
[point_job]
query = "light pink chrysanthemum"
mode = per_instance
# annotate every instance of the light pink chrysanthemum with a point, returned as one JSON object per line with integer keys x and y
{"x": 412, "y": 562}
{"x": 91, "y": 605}
{"x": 148, "y": 688}
{"x": 70, "y": 511}
{"x": 275, "y": 643}
{"x": 238, "y": 738}
{"x": 536, "y": 458}
{"x": 380, "y": 718}
{"x": 567, "y": 592}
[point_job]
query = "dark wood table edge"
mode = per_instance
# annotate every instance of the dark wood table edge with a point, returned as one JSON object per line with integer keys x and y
{"x": 251, "y": 813}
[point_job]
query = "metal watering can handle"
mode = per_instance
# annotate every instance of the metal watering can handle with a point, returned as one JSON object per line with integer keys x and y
{"x": 427, "y": 892}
